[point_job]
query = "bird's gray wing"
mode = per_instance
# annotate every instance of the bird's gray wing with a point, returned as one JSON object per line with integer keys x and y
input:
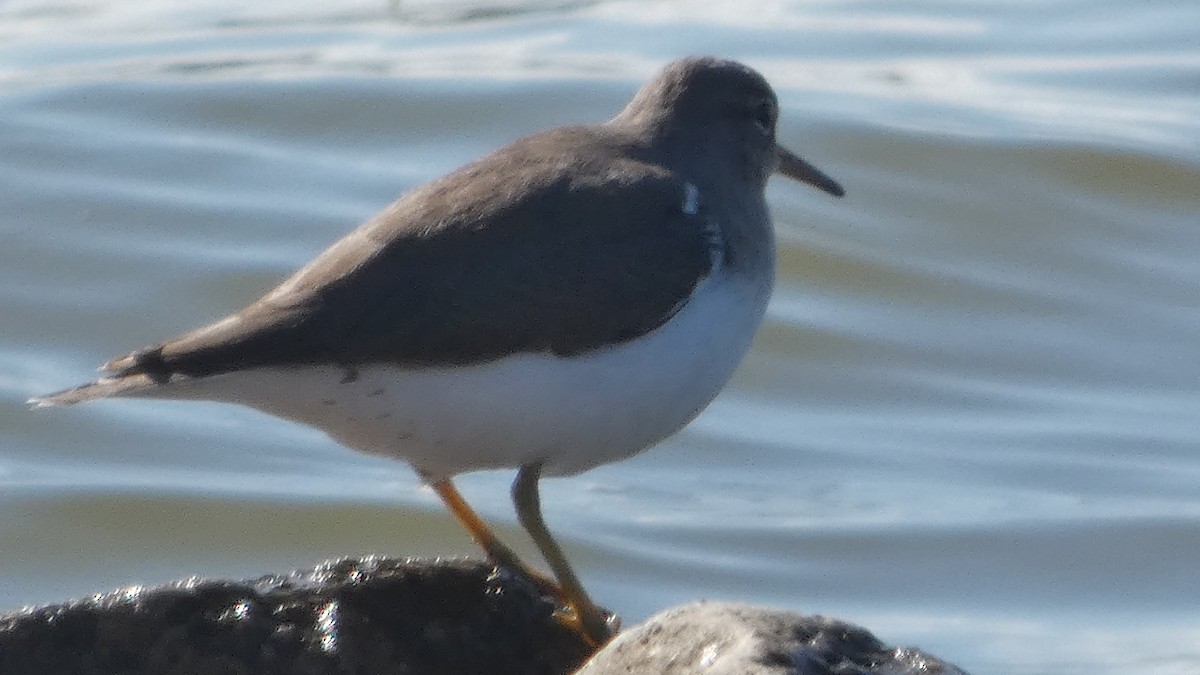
{"x": 545, "y": 246}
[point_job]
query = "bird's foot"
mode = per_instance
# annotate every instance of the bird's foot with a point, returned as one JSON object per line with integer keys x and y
{"x": 595, "y": 625}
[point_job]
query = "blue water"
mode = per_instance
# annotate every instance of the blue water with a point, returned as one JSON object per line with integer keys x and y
{"x": 969, "y": 424}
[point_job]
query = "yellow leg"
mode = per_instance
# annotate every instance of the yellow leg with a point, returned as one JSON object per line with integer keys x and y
{"x": 496, "y": 551}
{"x": 592, "y": 621}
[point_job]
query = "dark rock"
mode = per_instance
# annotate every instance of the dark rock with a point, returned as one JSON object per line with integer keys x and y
{"x": 376, "y": 616}
{"x": 717, "y": 638}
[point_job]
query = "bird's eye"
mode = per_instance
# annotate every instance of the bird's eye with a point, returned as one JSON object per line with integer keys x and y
{"x": 764, "y": 117}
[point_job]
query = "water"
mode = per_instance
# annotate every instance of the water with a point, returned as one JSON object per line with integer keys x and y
{"x": 970, "y": 423}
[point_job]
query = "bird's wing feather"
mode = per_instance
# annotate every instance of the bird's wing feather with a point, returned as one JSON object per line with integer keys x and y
{"x": 536, "y": 248}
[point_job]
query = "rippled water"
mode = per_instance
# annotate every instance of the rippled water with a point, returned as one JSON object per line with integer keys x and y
{"x": 970, "y": 423}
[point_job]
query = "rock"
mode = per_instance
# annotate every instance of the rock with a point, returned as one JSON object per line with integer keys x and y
{"x": 372, "y": 615}
{"x": 390, "y": 617}
{"x": 717, "y": 638}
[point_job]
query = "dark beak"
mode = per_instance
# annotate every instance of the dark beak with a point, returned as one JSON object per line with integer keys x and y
{"x": 795, "y": 168}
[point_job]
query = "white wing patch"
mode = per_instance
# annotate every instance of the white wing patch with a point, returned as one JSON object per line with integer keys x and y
{"x": 691, "y": 199}
{"x": 712, "y": 231}
{"x": 713, "y": 240}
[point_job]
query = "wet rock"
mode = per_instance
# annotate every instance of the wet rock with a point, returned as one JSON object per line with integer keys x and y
{"x": 372, "y": 615}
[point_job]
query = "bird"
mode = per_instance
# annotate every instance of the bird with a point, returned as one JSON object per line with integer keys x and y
{"x": 564, "y": 302}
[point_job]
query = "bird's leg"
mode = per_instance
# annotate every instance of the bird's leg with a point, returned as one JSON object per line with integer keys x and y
{"x": 496, "y": 551}
{"x": 587, "y": 618}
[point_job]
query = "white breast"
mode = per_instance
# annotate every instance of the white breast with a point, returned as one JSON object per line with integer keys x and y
{"x": 571, "y": 413}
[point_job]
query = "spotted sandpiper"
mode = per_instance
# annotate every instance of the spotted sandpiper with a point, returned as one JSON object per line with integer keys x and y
{"x": 564, "y": 302}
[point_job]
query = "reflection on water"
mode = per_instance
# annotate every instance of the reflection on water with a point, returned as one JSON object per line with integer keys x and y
{"x": 969, "y": 422}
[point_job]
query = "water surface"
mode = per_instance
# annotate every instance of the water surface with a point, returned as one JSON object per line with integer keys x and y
{"x": 969, "y": 423}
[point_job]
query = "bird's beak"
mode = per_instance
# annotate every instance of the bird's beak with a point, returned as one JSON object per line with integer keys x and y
{"x": 795, "y": 168}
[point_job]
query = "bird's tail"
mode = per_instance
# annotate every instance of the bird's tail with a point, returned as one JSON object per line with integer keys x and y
{"x": 105, "y": 387}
